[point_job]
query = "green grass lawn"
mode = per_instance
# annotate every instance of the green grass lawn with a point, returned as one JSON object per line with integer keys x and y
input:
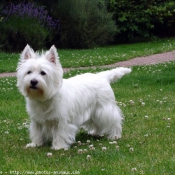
{"x": 147, "y": 99}
{"x": 97, "y": 56}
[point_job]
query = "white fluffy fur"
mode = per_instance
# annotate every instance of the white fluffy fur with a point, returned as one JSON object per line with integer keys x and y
{"x": 59, "y": 107}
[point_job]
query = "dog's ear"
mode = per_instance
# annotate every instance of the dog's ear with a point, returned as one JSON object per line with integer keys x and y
{"x": 52, "y": 55}
{"x": 27, "y": 53}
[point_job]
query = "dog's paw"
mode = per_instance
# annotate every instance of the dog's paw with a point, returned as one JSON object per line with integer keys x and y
{"x": 59, "y": 147}
{"x": 115, "y": 137}
{"x": 31, "y": 145}
{"x": 56, "y": 148}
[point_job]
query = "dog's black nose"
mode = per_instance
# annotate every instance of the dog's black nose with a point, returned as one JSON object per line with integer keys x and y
{"x": 33, "y": 82}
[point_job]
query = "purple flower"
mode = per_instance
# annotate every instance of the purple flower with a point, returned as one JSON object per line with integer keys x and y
{"x": 31, "y": 10}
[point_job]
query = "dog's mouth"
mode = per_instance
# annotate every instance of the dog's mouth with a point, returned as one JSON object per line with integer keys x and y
{"x": 33, "y": 87}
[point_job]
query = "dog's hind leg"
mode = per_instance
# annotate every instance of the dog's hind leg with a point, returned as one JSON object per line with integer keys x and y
{"x": 108, "y": 121}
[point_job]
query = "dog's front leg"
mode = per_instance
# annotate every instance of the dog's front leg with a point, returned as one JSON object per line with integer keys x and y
{"x": 63, "y": 135}
{"x": 59, "y": 140}
{"x": 36, "y": 135}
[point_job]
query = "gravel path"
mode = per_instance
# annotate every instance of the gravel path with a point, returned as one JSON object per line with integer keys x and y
{"x": 153, "y": 59}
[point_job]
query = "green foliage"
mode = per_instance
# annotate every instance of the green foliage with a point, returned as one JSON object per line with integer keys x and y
{"x": 164, "y": 15}
{"x": 88, "y": 23}
{"x": 142, "y": 18}
{"x": 131, "y": 18}
{"x": 84, "y": 23}
{"x": 17, "y": 32}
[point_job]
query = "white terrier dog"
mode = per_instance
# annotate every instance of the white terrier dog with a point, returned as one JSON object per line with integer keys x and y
{"x": 59, "y": 107}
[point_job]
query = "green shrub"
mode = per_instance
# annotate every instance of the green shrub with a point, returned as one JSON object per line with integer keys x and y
{"x": 164, "y": 23}
{"x": 132, "y": 18}
{"x": 84, "y": 23}
{"x": 142, "y": 19}
{"x": 17, "y": 32}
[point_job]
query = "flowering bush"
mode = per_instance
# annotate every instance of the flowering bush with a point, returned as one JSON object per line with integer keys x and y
{"x": 26, "y": 23}
{"x": 30, "y": 10}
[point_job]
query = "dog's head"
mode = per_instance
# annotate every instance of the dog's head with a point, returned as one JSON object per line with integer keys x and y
{"x": 39, "y": 76}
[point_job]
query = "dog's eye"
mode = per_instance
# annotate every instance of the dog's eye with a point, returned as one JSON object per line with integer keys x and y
{"x": 29, "y": 72}
{"x": 43, "y": 73}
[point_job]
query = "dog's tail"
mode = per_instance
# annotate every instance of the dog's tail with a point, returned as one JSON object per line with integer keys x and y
{"x": 115, "y": 74}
